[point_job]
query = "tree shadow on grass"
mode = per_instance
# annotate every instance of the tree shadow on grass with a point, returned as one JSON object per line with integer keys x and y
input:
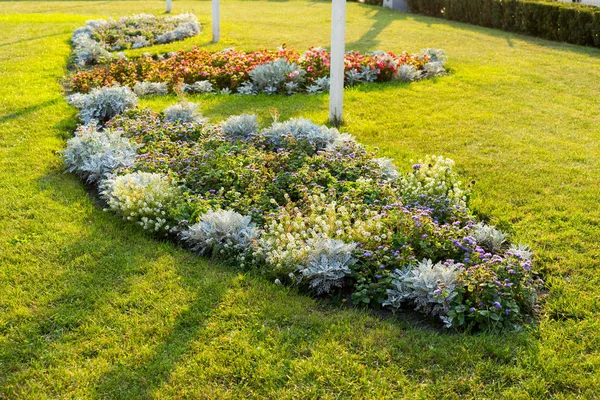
{"x": 34, "y": 38}
{"x": 30, "y": 109}
{"x": 382, "y": 19}
{"x": 102, "y": 286}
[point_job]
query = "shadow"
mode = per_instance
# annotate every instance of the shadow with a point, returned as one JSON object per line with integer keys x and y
{"x": 101, "y": 291}
{"x": 34, "y": 38}
{"x": 141, "y": 377}
{"x": 30, "y": 109}
{"x": 467, "y": 30}
{"x": 382, "y": 20}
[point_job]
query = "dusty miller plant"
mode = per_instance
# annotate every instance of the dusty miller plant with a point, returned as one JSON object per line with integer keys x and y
{"x": 430, "y": 287}
{"x": 103, "y": 104}
{"x": 94, "y": 154}
{"x": 202, "y": 87}
{"x": 271, "y": 77}
{"x": 318, "y": 136}
{"x": 388, "y": 169}
{"x": 240, "y": 126}
{"x": 489, "y": 237}
{"x": 220, "y": 232}
{"x": 327, "y": 264}
{"x": 150, "y": 88}
{"x": 184, "y": 111}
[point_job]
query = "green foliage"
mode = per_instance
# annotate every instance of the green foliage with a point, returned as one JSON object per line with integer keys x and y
{"x": 565, "y": 22}
{"x": 91, "y": 307}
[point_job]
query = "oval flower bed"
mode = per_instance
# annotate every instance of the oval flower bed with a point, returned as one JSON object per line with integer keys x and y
{"x": 304, "y": 204}
{"x": 94, "y": 42}
{"x": 283, "y": 71}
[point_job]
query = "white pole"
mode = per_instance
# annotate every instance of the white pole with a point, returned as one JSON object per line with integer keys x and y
{"x": 169, "y": 5}
{"x": 216, "y": 28}
{"x": 338, "y": 33}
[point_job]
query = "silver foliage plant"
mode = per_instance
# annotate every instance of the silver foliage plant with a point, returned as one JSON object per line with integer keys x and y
{"x": 408, "y": 73}
{"x": 388, "y": 169}
{"x": 429, "y": 287}
{"x": 104, "y": 103}
{"x": 94, "y": 154}
{"x": 321, "y": 85}
{"x": 240, "y": 126}
{"x": 521, "y": 251}
{"x": 87, "y": 49}
{"x": 327, "y": 264}
{"x": 150, "y": 89}
{"x": 433, "y": 68}
{"x": 220, "y": 232}
{"x": 319, "y": 136}
{"x": 183, "y": 31}
{"x": 272, "y": 77}
{"x": 489, "y": 237}
{"x": 202, "y": 87}
{"x": 184, "y": 111}
{"x": 435, "y": 55}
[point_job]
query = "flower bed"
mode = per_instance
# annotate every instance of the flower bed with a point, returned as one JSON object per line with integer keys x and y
{"x": 230, "y": 71}
{"x": 94, "y": 42}
{"x": 307, "y": 205}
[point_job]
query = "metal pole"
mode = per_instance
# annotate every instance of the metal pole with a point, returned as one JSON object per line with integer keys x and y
{"x": 169, "y": 5}
{"x": 338, "y": 33}
{"x": 216, "y": 26}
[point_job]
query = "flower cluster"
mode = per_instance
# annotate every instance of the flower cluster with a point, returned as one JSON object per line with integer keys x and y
{"x": 94, "y": 42}
{"x": 142, "y": 197}
{"x": 307, "y": 205}
{"x": 433, "y": 185}
{"x": 282, "y": 71}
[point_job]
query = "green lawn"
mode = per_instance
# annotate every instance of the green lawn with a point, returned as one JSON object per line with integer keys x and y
{"x": 91, "y": 307}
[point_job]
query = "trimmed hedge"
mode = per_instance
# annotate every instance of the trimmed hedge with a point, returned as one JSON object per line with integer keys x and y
{"x": 566, "y": 22}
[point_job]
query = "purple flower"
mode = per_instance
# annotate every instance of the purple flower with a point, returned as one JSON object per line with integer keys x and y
{"x": 472, "y": 309}
{"x": 416, "y": 166}
{"x": 497, "y": 305}
{"x": 382, "y": 267}
{"x": 378, "y": 276}
{"x": 367, "y": 254}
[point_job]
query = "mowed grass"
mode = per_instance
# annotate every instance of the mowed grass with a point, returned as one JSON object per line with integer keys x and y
{"x": 91, "y": 307}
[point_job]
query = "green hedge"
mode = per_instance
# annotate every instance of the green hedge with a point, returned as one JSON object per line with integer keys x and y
{"x": 567, "y": 22}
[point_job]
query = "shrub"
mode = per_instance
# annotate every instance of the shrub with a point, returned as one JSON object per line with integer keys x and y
{"x": 328, "y": 264}
{"x": 220, "y": 232}
{"x": 150, "y": 88}
{"x": 145, "y": 198}
{"x": 568, "y": 22}
{"x": 184, "y": 111}
{"x": 430, "y": 287}
{"x": 388, "y": 169}
{"x": 272, "y": 77}
{"x": 521, "y": 251}
{"x": 318, "y": 136}
{"x": 93, "y": 154}
{"x": 497, "y": 292}
{"x": 489, "y": 237}
{"x": 103, "y": 104}
{"x": 202, "y": 87}
{"x": 240, "y": 126}
{"x": 408, "y": 73}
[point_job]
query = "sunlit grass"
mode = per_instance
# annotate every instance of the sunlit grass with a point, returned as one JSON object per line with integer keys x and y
{"x": 92, "y": 307}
